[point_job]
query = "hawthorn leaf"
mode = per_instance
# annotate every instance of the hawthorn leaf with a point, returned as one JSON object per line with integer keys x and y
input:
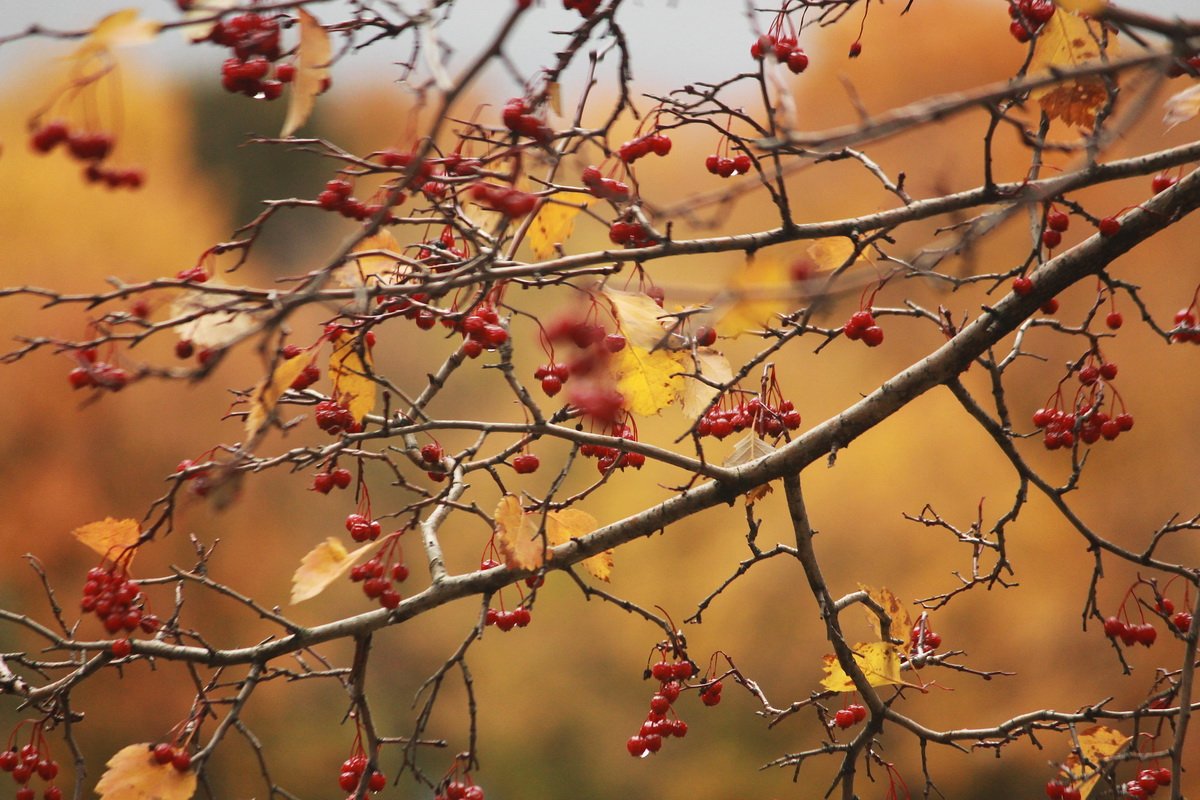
{"x": 1082, "y": 6}
{"x": 517, "y": 535}
{"x": 384, "y": 253}
{"x": 1098, "y": 744}
{"x": 901, "y": 620}
{"x": 1067, "y": 41}
{"x": 639, "y": 318}
{"x": 697, "y": 395}
{"x": 832, "y": 252}
{"x": 267, "y": 392}
{"x": 109, "y": 536}
{"x": 757, "y": 290}
{"x": 312, "y": 70}
{"x": 1182, "y": 106}
{"x": 119, "y": 29}
{"x": 649, "y": 382}
{"x": 349, "y": 372}
{"x": 321, "y": 566}
{"x": 133, "y": 774}
{"x": 555, "y": 222}
{"x": 879, "y": 662}
{"x": 222, "y": 319}
{"x": 748, "y": 449}
{"x": 571, "y": 523}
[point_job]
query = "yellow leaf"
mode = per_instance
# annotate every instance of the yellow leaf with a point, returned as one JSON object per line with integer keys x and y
{"x": 639, "y": 318}
{"x": 321, "y": 566}
{"x": 213, "y": 328}
{"x": 133, "y": 774}
{"x": 901, "y": 620}
{"x": 351, "y": 386}
{"x": 1098, "y": 744}
{"x": 268, "y": 391}
{"x": 750, "y": 449}
{"x": 555, "y": 222}
{"x": 1065, "y": 42}
{"x": 757, "y": 291}
{"x": 879, "y": 662}
{"x": 109, "y": 536}
{"x": 649, "y": 382}
{"x": 517, "y": 535}
{"x": 357, "y": 271}
{"x": 118, "y": 29}
{"x": 834, "y": 252}
{"x": 312, "y": 70}
{"x": 697, "y": 394}
{"x": 1082, "y": 6}
{"x": 554, "y": 97}
{"x": 571, "y": 523}
{"x": 199, "y": 31}
{"x": 1182, "y": 106}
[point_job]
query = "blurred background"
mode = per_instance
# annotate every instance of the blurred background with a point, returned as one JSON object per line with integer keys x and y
{"x": 558, "y": 699}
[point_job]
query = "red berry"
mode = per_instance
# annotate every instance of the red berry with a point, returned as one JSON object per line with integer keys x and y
{"x": 844, "y": 718}
{"x": 1110, "y": 226}
{"x": 1057, "y": 220}
{"x": 9, "y": 760}
{"x": 348, "y": 781}
{"x": 1022, "y": 285}
{"x": 1114, "y": 320}
{"x": 1050, "y": 306}
{"x": 636, "y": 746}
{"x": 706, "y": 336}
{"x": 1146, "y": 634}
{"x": 341, "y": 477}
{"x": 526, "y": 463}
{"x": 873, "y": 336}
{"x": 1182, "y": 621}
{"x": 859, "y": 711}
{"x": 551, "y": 385}
{"x": 855, "y": 49}
{"x": 1162, "y": 181}
{"x": 1051, "y": 238}
{"x": 121, "y": 647}
{"x": 377, "y": 781}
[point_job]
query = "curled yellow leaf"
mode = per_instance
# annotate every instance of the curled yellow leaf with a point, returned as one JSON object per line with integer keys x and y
{"x": 879, "y": 662}
{"x": 133, "y": 774}
{"x": 1068, "y": 41}
{"x": 649, "y": 382}
{"x": 902, "y": 622}
{"x": 348, "y": 370}
{"x": 517, "y": 535}
{"x": 1098, "y": 744}
{"x": 312, "y": 70}
{"x": 555, "y": 222}
{"x": 267, "y": 392}
{"x": 639, "y": 318}
{"x": 321, "y": 566}
{"x": 571, "y": 523}
{"x": 109, "y": 537}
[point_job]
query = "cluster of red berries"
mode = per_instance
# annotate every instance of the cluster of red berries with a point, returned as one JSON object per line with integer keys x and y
{"x": 507, "y": 620}
{"x": 482, "y": 330}
{"x": 1185, "y": 320}
{"x": 116, "y": 600}
{"x": 1057, "y": 222}
{"x": 254, "y": 39}
{"x": 338, "y": 196}
{"x": 604, "y": 188}
{"x": 850, "y": 715}
{"x": 725, "y": 167}
{"x": 552, "y": 376}
{"x": 334, "y": 418}
{"x": 710, "y": 694}
{"x": 505, "y": 199}
{"x": 585, "y": 7}
{"x": 862, "y": 325}
{"x": 1062, "y": 791}
{"x": 1060, "y": 426}
{"x": 362, "y": 528}
{"x": 657, "y": 726}
{"x": 1023, "y": 286}
{"x": 307, "y": 377}
{"x": 459, "y": 790}
{"x": 764, "y": 418}
{"x": 177, "y": 757}
{"x": 377, "y": 577}
{"x": 1028, "y": 17}
{"x": 1130, "y": 633}
{"x": 325, "y": 482}
{"x": 90, "y": 147}
{"x": 94, "y": 374}
{"x": 518, "y": 119}
{"x": 608, "y": 458}
{"x": 785, "y": 49}
{"x": 922, "y": 638}
{"x": 631, "y": 232}
{"x": 657, "y": 143}
{"x": 1147, "y": 782}
{"x": 352, "y": 772}
{"x": 23, "y": 764}
{"x": 199, "y": 482}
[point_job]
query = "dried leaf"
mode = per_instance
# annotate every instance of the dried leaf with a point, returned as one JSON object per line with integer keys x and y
{"x": 555, "y": 222}
{"x": 133, "y": 774}
{"x": 554, "y": 97}
{"x": 901, "y": 620}
{"x": 748, "y": 449}
{"x": 268, "y": 391}
{"x": 109, "y": 536}
{"x": 351, "y": 386}
{"x": 649, "y": 382}
{"x": 321, "y": 566}
{"x": 1098, "y": 744}
{"x": 213, "y": 328}
{"x": 879, "y": 662}
{"x": 757, "y": 291}
{"x": 312, "y": 70}
{"x": 639, "y": 318}
{"x": 571, "y": 523}
{"x": 1182, "y": 106}
{"x": 118, "y": 29}
{"x": 357, "y": 271}
{"x": 697, "y": 394}
{"x": 517, "y": 535}
{"x": 1065, "y": 42}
